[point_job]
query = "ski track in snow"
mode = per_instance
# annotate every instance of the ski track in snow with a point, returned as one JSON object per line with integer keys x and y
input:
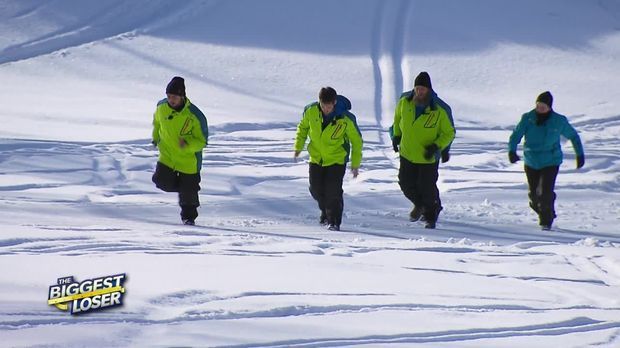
{"x": 95, "y": 27}
{"x": 116, "y": 178}
{"x": 118, "y": 174}
{"x": 552, "y": 329}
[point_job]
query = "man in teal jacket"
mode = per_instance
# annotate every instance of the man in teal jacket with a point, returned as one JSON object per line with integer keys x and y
{"x": 334, "y": 135}
{"x": 542, "y": 128}
{"x": 421, "y": 130}
{"x": 180, "y": 133}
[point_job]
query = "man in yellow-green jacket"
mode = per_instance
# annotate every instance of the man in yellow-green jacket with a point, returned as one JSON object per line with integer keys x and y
{"x": 180, "y": 133}
{"x": 420, "y": 131}
{"x": 334, "y": 136}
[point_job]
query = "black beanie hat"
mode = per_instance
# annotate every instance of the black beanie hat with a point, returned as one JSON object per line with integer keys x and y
{"x": 423, "y": 79}
{"x": 176, "y": 86}
{"x": 545, "y": 98}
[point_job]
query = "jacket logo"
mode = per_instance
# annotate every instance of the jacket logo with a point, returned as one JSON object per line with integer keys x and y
{"x": 339, "y": 130}
{"x": 432, "y": 120}
{"x": 186, "y": 130}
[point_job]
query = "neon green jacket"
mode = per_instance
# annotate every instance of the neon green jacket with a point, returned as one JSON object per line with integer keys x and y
{"x": 333, "y": 144}
{"x": 430, "y": 126}
{"x": 169, "y": 126}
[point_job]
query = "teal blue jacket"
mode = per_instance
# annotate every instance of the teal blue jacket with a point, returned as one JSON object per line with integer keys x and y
{"x": 542, "y": 142}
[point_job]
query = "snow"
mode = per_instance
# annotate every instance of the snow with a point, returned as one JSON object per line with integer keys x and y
{"x": 80, "y": 81}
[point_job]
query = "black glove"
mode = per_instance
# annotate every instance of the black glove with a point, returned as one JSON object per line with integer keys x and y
{"x": 445, "y": 156}
{"x": 430, "y": 150}
{"x": 395, "y": 143}
{"x": 512, "y": 156}
{"x": 581, "y": 160}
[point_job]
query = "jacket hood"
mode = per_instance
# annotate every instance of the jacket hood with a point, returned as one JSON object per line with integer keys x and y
{"x": 342, "y": 105}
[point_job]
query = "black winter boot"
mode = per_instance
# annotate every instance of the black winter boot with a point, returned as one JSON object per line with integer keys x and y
{"x": 416, "y": 213}
{"x": 323, "y": 219}
{"x": 430, "y": 225}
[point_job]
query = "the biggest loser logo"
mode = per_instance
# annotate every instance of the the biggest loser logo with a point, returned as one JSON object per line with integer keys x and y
{"x": 87, "y": 295}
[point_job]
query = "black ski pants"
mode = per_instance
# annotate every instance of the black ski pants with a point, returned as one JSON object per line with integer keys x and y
{"x": 419, "y": 184}
{"x": 541, "y": 183}
{"x": 187, "y": 185}
{"x": 326, "y": 189}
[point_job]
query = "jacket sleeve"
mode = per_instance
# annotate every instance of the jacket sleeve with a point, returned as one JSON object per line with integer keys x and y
{"x": 517, "y": 134}
{"x": 200, "y": 132}
{"x": 155, "y": 134}
{"x": 355, "y": 137}
{"x": 302, "y": 133}
{"x": 570, "y": 133}
{"x": 446, "y": 132}
{"x": 197, "y": 141}
{"x": 449, "y": 113}
{"x": 395, "y": 130}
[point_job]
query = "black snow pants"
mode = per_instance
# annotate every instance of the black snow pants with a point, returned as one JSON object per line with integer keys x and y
{"x": 419, "y": 184}
{"x": 187, "y": 185}
{"x": 541, "y": 184}
{"x": 326, "y": 189}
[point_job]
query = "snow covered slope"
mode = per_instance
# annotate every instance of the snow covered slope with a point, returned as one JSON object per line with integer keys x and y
{"x": 80, "y": 80}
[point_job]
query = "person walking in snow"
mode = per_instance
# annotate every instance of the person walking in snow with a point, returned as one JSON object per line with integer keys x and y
{"x": 445, "y": 153}
{"x": 421, "y": 130}
{"x": 542, "y": 128}
{"x": 180, "y": 133}
{"x": 334, "y": 135}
